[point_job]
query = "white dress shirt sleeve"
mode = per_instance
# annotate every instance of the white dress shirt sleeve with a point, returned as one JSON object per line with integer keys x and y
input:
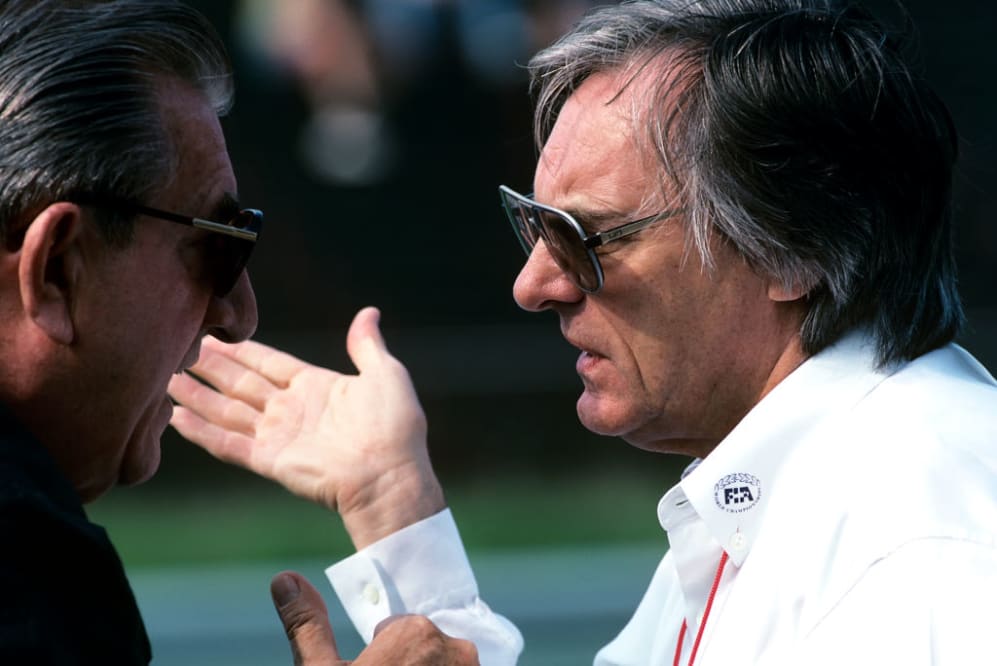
{"x": 423, "y": 570}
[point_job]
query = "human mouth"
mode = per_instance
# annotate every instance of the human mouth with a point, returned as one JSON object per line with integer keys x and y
{"x": 587, "y": 362}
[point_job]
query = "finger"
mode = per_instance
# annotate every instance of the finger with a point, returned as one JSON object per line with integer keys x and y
{"x": 212, "y": 406}
{"x": 421, "y": 642}
{"x": 274, "y": 365}
{"x": 233, "y": 379}
{"x": 388, "y": 621}
{"x": 364, "y": 342}
{"x": 305, "y": 618}
{"x": 223, "y": 444}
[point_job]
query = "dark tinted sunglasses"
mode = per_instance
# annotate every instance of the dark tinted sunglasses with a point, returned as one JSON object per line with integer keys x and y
{"x": 567, "y": 242}
{"x": 233, "y": 240}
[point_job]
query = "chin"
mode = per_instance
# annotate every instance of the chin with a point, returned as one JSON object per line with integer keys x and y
{"x": 129, "y": 474}
{"x": 638, "y": 425}
{"x": 115, "y": 465}
{"x": 604, "y": 417}
{"x": 136, "y": 469}
{"x": 142, "y": 454}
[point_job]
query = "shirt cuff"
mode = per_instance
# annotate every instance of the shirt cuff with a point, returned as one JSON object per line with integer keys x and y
{"x": 420, "y": 569}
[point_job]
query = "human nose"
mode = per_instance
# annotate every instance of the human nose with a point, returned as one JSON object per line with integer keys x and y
{"x": 233, "y": 317}
{"x": 541, "y": 283}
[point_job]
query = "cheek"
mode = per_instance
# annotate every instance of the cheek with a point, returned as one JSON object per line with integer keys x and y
{"x": 147, "y": 356}
{"x": 670, "y": 331}
{"x": 176, "y": 320}
{"x": 642, "y": 362}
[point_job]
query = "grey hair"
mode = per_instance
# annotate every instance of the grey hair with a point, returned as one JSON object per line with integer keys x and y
{"x": 795, "y": 131}
{"x": 79, "y": 110}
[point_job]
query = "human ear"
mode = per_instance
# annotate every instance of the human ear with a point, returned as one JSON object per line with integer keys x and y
{"x": 49, "y": 267}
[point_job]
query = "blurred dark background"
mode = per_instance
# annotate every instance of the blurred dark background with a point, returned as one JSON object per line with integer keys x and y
{"x": 374, "y": 133}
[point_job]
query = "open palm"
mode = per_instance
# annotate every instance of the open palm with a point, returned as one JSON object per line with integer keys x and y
{"x": 354, "y": 443}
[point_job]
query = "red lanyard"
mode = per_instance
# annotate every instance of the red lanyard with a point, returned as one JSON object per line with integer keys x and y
{"x": 706, "y": 616}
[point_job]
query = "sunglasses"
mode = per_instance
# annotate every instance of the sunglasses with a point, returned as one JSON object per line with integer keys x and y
{"x": 572, "y": 249}
{"x": 232, "y": 241}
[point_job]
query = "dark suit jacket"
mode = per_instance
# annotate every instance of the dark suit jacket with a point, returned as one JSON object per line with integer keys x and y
{"x": 64, "y": 598}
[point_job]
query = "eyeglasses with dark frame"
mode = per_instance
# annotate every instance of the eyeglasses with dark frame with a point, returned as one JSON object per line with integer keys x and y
{"x": 236, "y": 238}
{"x": 567, "y": 242}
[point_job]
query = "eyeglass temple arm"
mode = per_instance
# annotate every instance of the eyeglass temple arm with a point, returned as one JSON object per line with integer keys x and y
{"x": 199, "y": 223}
{"x": 208, "y": 225}
{"x": 603, "y": 237}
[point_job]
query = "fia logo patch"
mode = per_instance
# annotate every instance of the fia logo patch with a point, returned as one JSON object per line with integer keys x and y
{"x": 736, "y": 493}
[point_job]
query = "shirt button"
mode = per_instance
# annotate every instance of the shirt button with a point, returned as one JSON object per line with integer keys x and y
{"x": 738, "y": 542}
{"x": 371, "y": 594}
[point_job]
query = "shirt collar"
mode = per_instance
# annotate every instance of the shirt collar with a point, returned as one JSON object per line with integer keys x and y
{"x": 729, "y": 489}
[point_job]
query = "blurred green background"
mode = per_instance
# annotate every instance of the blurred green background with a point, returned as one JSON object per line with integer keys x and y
{"x": 374, "y": 133}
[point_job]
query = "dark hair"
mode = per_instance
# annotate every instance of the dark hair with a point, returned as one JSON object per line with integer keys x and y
{"x": 796, "y": 131}
{"x": 78, "y": 99}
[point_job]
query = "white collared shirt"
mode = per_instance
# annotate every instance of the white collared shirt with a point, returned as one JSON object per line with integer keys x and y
{"x": 858, "y": 509}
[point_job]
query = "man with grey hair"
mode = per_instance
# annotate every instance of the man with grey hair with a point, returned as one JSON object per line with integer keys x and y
{"x": 741, "y": 217}
{"x": 123, "y": 245}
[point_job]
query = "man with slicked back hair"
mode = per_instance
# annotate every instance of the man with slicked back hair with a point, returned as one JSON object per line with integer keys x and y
{"x": 108, "y": 135}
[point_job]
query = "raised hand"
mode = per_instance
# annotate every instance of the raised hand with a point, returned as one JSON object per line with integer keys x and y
{"x": 353, "y": 443}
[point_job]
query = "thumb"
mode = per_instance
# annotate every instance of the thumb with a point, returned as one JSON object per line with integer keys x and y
{"x": 364, "y": 342}
{"x": 305, "y": 620}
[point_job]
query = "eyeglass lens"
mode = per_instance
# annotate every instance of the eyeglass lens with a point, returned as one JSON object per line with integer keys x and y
{"x": 562, "y": 239}
{"x": 230, "y": 255}
{"x": 566, "y": 246}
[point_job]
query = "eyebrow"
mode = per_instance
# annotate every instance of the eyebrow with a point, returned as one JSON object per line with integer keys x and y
{"x": 594, "y": 221}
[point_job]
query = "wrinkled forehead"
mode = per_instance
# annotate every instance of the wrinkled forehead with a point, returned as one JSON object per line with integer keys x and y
{"x": 595, "y": 121}
{"x": 607, "y": 130}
